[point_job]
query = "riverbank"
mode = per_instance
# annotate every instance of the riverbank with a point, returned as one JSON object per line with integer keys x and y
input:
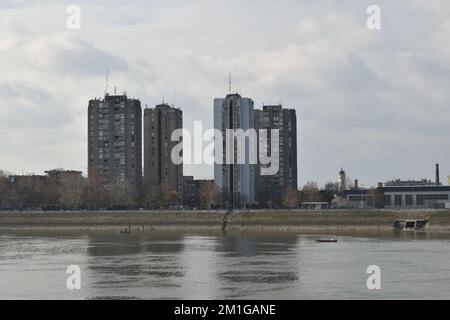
{"x": 439, "y": 220}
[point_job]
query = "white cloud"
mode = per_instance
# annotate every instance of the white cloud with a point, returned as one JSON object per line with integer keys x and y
{"x": 376, "y": 102}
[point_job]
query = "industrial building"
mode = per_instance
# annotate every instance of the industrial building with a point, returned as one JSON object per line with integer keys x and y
{"x": 402, "y": 194}
{"x": 415, "y": 194}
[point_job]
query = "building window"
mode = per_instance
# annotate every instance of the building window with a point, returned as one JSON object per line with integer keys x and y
{"x": 398, "y": 199}
{"x": 422, "y": 198}
{"x": 409, "y": 200}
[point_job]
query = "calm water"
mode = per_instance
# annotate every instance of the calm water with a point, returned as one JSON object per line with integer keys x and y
{"x": 209, "y": 265}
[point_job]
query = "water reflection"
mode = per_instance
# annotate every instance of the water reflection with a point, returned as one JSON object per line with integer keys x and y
{"x": 192, "y": 267}
{"x": 211, "y": 265}
{"x": 200, "y": 261}
{"x": 261, "y": 262}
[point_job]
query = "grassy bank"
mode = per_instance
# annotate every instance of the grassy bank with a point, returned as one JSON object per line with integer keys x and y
{"x": 439, "y": 220}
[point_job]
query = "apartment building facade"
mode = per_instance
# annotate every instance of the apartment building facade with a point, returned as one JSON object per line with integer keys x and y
{"x": 273, "y": 187}
{"x": 159, "y": 169}
{"x": 235, "y": 180}
{"x": 115, "y": 140}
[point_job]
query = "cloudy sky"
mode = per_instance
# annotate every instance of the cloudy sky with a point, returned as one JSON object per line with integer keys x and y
{"x": 376, "y": 102}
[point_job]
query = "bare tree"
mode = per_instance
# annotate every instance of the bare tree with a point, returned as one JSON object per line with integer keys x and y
{"x": 70, "y": 190}
{"x": 168, "y": 196}
{"x": 10, "y": 198}
{"x": 290, "y": 198}
{"x": 332, "y": 186}
{"x": 121, "y": 195}
{"x": 311, "y": 192}
{"x": 349, "y": 183}
{"x": 33, "y": 192}
{"x": 209, "y": 193}
{"x": 151, "y": 193}
{"x": 4, "y": 190}
{"x": 93, "y": 196}
{"x": 330, "y": 190}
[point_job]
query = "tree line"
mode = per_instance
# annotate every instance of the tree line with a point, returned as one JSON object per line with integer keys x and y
{"x": 75, "y": 192}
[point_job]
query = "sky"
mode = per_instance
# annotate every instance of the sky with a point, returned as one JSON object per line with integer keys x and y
{"x": 376, "y": 102}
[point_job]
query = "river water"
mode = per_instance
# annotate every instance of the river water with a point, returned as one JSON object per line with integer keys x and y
{"x": 212, "y": 265}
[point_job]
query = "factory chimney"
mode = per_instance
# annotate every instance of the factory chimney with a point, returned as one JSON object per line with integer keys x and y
{"x": 437, "y": 174}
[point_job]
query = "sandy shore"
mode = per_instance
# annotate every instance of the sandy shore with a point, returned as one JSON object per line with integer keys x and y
{"x": 439, "y": 220}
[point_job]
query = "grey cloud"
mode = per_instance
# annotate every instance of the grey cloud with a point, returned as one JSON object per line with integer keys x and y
{"x": 26, "y": 107}
{"x": 361, "y": 101}
{"x": 81, "y": 58}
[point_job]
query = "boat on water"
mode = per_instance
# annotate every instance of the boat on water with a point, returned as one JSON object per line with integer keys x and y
{"x": 326, "y": 240}
{"x": 125, "y": 230}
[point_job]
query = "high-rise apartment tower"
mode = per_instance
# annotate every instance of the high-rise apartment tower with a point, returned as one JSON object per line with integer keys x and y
{"x": 273, "y": 187}
{"x": 159, "y": 169}
{"x": 236, "y": 180}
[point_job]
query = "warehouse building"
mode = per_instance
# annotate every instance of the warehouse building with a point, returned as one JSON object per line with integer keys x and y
{"x": 399, "y": 194}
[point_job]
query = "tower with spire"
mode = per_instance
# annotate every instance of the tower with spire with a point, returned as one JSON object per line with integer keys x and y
{"x": 342, "y": 180}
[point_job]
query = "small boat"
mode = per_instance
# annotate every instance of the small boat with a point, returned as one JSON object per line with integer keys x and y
{"x": 326, "y": 240}
{"x": 125, "y": 230}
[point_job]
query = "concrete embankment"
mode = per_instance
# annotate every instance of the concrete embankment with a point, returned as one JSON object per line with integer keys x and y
{"x": 439, "y": 220}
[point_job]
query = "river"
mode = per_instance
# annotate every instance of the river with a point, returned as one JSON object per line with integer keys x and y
{"x": 213, "y": 265}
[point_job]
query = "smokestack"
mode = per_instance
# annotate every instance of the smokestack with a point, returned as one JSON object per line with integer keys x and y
{"x": 356, "y": 184}
{"x": 437, "y": 174}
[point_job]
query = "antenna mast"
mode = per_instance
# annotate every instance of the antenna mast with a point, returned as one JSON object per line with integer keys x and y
{"x": 106, "y": 81}
{"x": 229, "y": 81}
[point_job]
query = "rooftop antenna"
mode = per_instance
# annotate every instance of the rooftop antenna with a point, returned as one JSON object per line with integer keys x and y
{"x": 106, "y": 81}
{"x": 229, "y": 81}
{"x": 115, "y": 89}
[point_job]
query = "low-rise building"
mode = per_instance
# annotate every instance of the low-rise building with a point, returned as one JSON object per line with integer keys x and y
{"x": 314, "y": 205}
{"x": 61, "y": 174}
{"x": 357, "y": 198}
{"x": 415, "y": 194}
{"x": 400, "y": 194}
